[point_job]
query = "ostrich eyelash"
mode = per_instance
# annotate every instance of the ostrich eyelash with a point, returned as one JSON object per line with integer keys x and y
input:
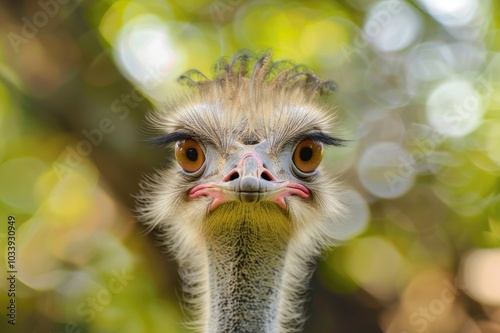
{"x": 323, "y": 138}
{"x": 164, "y": 140}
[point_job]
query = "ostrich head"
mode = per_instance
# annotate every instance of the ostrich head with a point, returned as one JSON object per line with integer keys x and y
{"x": 246, "y": 206}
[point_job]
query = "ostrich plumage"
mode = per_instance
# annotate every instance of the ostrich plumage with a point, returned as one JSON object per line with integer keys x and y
{"x": 247, "y": 207}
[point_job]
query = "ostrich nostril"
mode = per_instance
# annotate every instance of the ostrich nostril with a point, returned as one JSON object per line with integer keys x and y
{"x": 265, "y": 176}
{"x": 234, "y": 175}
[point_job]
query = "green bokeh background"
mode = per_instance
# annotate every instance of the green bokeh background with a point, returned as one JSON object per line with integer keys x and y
{"x": 88, "y": 68}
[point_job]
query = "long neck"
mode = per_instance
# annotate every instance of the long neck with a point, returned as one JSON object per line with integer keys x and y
{"x": 245, "y": 272}
{"x": 245, "y": 283}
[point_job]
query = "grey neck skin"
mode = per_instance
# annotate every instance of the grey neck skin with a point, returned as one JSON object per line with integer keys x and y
{"x": 245, "y": 281}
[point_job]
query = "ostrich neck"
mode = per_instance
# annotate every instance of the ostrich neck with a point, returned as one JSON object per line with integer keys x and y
{"x": 245, "y": 280}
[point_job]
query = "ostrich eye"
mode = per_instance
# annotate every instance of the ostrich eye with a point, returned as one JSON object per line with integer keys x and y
{"x": 189, "y": 155}
{"x": 308, "y": 155}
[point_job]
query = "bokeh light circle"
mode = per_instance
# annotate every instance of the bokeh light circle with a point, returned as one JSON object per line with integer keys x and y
{"x": 145, "y": 51}
{"x": 454, "y": 108}
{"x": 429, "y": 61}
{"x": 481, "y": 273}
{"x": 376, "y": 265}
{"x": 452, "y": 12}
{"x": 386, "y": 170}
{"x": 392, "y": 26}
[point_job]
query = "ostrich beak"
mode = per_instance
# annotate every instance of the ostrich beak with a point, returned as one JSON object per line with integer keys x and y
{"x": 249, "y": 182}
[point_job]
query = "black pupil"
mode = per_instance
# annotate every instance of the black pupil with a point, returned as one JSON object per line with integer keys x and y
{"x": 192, "y": 154}
{"x": 306, "y": 153}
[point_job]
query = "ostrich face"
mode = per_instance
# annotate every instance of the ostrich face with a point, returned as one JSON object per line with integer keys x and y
{"x": 258, "y": 175}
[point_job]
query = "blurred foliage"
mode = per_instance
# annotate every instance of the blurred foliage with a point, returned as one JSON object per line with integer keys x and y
{"x": 418, "y": 97}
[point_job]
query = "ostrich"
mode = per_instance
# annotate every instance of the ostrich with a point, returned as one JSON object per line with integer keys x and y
{"x": 246, "y": 208}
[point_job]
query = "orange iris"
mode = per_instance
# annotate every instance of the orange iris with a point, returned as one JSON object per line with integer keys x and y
{"x": 308, "y": 155}
{"x": 189, "y": 155}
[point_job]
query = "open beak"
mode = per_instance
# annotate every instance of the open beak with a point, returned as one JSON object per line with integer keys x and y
{"x": 249, "y": 182}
